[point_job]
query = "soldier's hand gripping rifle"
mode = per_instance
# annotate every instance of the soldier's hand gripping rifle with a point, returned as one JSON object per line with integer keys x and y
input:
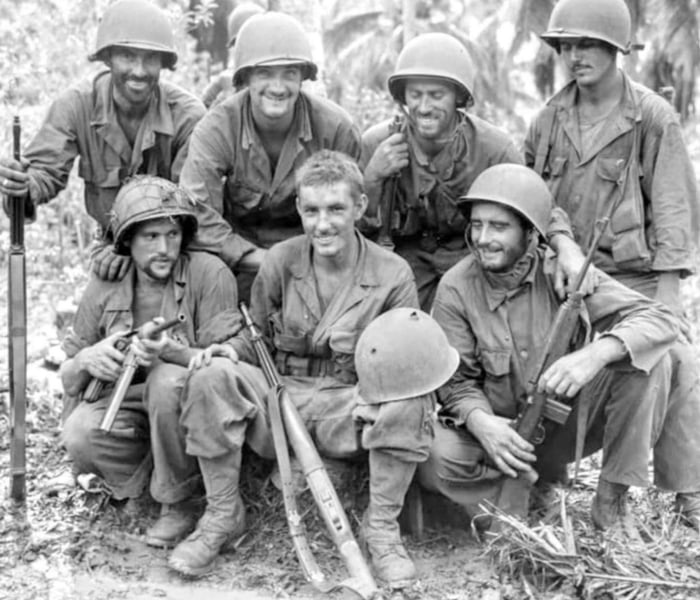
{"x": 128, "y": 370}
{"x": 287, "y": 425}
{"x": 17, "y": 321}
{"x": 514, "y": 494}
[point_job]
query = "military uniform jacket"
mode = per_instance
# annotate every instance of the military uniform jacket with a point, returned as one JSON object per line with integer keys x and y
{"x": 640, "y": 164}
{"x": 500, "y": 330}
{"x": 83, "y": 122}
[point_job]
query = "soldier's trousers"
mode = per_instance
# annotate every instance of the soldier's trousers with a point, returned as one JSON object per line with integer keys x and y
{"x": 146, "y": 442}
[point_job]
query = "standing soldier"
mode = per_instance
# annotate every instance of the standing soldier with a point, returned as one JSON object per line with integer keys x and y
{"x": 417, "y": 167}
{"x": 313, "y": 297}
{"x": 605, "y": 142}
{"x": 255, "y": 140}
{"x": 121, "y": 123}
{"x": 222, "y": 85}
{"x": 153, "y": 223}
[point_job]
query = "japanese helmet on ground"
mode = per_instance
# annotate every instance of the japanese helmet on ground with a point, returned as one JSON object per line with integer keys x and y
{"x": 606, "y": 20}
{"x": 434, "y": 56}
{"x": 147, "y": 197}
{"x": 271, "y": 39}
{"x": 514, "y": 186}
{"x": 238, "y": 17}
{"x": 401, "y": 354}
{"x": 136, "y": 24}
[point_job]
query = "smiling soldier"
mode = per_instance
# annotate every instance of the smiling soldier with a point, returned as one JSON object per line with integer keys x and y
{"x": 123, "y": 122}
{"x": 416, "y": 171}
{"x": 256, "y": 139}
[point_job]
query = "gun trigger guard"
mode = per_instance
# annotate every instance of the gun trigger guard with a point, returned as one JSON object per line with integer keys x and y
{"x": 539, "y": 436}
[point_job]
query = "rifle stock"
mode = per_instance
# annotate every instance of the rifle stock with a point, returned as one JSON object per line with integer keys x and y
{"x": 17, "y": 322}
{"x": 514, "y": 494}
{"x": 293, "y": 429}
{"x": 127, "y": 374}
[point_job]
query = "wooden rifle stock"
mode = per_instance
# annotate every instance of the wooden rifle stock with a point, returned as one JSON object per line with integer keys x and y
{"x": 128, "y": 370}
{"x": 514, "y": 494}
{"x": 17, "y": 321}
{"x": 291, "y": 427}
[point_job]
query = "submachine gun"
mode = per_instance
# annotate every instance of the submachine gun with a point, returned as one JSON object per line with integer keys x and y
{"x": 514, "y": 495}
{"x": 94, "y": 389}
{"x": 287, "y": 425}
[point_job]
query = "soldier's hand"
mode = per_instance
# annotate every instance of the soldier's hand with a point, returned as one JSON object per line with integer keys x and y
{"x": 569, "y": 262}
{"x": 566, "y": 376}
{"x": 14, "y": 180}
{"x": 203, "y": 358}
{"x": 146, "y": 349}
{"x": 108, "y": 265}
{"x": 103, "y": 360}
{"x": 510, "y": 453}
{"x": 390, "y": 157}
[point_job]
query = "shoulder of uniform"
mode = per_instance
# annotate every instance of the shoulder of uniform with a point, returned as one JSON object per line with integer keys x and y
{"x": 203, "y": 261}
{"x": 179, "y": 96}
{"x": 320, "y": 106}
{"x": 388, "y": 259}
{"x": 466, "y": 269}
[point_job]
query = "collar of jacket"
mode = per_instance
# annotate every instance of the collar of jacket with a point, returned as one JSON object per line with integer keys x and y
{"x": 365, "y": 273}
{"x": 501, "y": 286}
{"x": 301, "y": 123}
{"x": 104, "y": 114}
{"x": 123, "y": 299}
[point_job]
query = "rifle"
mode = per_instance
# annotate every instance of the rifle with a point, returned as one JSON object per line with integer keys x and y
{"x": 128, "y": 370}
{"x": 514, "y": 494}
{"x": 17, "y": 321}
{"x": 286, "y": 423}
{"x": 387, "y": 202}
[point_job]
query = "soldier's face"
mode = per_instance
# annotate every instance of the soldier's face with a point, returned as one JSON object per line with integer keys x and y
{"x": 274, "y": 91}
{"x": 432, "y": 107}
{"x": 155, "y": 246}
{"x": 328, "y": 214}
{"x": 589, "y": 61}
{"x": 497, "y": 235}
{"x": 135, "y": 74}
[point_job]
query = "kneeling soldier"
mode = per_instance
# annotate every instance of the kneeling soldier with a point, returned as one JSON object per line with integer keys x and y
{"x": 153, "y": 222}
{"x": 496, "y": 307}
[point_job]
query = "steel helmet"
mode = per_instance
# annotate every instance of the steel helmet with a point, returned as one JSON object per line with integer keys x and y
{"x": 434, "y": 55}
{"x": 606, "y": 20}
{"x": 136, "y": 24}
{"x": 148, "y": 197}
{"x": 518, "y": 188}
{"x": 272, "y": 38}
{"x": 240, "y": 15}
{"x": 403, "y": 353}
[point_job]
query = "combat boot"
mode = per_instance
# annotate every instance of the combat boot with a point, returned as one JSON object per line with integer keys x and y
{"x": 609, "y": 505}
{"x": 173, "y": 524}
{"x": 687, "y": 505}
{"x": 389, "y": 479}
{"x": 222, "y": 522}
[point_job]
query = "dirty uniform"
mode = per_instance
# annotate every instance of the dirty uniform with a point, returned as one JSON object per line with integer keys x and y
{"x": 203, "y": 291}
{"x": 425, "y": 226}
{"x": 228, "y": 168}
{"x": 83, "y": 122}
{"x": 499, "y": 325}
{"x": 637, "y": 163}
{"x": 313, "y": 349}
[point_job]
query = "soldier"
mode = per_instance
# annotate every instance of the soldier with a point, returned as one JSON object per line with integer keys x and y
{"x": 313, "y": 296}
{"x": 416, "y": 168}
{"x": 497, "y": 307}
{"x": 153, "y": 222}
{"x": 222, "y": 85}
{"x": 257, "y": 138}
{"x": 605, "y": 142}
{"x": 121, "y": 123}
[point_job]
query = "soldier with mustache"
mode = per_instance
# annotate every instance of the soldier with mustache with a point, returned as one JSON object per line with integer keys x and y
{"x": 606, "y": 143}
{"x": 415, "y": 170}
{"x": 122, "y": 122}
{"x": 153, "y": 222}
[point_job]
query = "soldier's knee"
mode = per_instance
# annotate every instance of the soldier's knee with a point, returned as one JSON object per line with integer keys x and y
{"x": 78, "y": 438}
{"x": 163, "y": 389}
